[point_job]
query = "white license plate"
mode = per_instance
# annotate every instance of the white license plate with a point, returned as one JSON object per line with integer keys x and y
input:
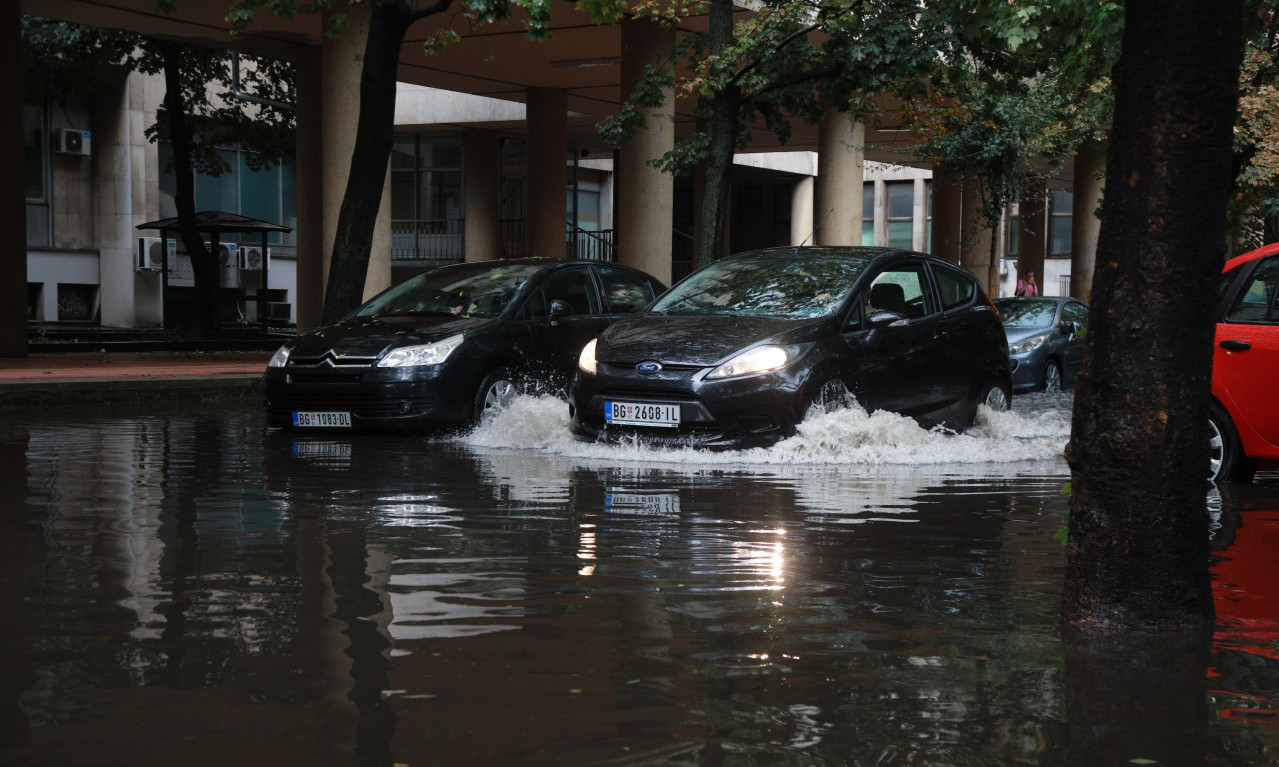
{"x": 641, "y": 414}
{"x": 321, "y": 419}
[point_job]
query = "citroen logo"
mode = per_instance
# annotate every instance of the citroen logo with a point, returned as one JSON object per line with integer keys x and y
{"x": 648, "y": 367}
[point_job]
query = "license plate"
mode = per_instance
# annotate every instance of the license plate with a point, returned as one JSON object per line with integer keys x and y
{"x": 321, "y": 419}
{"x": 641, "y": 414}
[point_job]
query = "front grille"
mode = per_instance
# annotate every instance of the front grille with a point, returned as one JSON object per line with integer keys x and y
{"x": 354, "y": 402}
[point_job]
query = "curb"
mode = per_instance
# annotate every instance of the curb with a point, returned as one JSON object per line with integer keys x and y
{"x": 25, "y": 395}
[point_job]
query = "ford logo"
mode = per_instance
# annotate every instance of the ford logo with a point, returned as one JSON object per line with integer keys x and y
{"x": 648, "y": 368}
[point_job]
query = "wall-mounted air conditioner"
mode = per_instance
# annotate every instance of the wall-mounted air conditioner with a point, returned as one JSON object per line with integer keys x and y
{"x": 149, "y": 256}
{"x": 254, "y": 257}
{"x": 228, "y": 254}
{"x": 72, "y": 141}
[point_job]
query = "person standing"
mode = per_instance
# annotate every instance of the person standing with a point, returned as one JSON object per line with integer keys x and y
{"x": 1027, "y": 286}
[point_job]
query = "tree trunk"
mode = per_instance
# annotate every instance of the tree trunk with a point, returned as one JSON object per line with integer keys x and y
{"x": 1138, "y": 547}
{"x": 353, "y": 240}
{"x": 725, "y": 106}
{"x": 203, "y": 320}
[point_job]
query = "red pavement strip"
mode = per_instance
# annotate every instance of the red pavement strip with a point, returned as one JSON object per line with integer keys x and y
{"x": 116, "y": 365}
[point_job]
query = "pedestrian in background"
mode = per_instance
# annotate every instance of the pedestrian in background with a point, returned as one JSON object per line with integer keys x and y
{"x": 1027, "y": 286}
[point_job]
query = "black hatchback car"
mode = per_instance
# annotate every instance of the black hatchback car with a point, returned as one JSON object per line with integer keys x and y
{"x": 445, "y": 344}
{"x": 738, "y": 352}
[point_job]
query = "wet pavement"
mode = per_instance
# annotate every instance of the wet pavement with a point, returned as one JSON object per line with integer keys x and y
{"x": 182, "y": 586}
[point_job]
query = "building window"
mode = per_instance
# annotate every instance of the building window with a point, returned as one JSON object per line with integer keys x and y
{"x": 901, "y": 213}
{"x": 36, "y": 158}
{"x": 1012, "y": 230}
{"x": 268, "y": 195}
{"x": 868, "y": 213}
{"x": 426, "y": 200}
{"x": 1061, "y": 223}
{"x": 928, "y": 225}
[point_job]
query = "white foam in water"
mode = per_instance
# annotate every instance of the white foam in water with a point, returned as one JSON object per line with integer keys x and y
{"x": 1037, "y": 429}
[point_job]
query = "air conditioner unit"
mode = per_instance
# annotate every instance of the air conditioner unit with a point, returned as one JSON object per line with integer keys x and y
{"x": 149, "y": 256}
{"x": 254, "y": 257}
{"x": 228, "y": 254}
{"x": 71, "y": 141}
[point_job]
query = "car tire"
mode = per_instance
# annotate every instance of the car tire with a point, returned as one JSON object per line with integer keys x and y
{"x": 495, "y": 392}
{"x": 832, "y": 395}
{"x": 997, "y": 396}
{"x": 1227, "y": 462}
{"x": 1052, "y": 376}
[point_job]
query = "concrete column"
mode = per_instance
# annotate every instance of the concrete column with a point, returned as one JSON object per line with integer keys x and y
{"x": 801, "y": 212}
{"x": 879, "y": 214}
{"x": 312, "y": 261}
{"x": 919, "y": 217}
{"x": 117, "y": 239}
{"x": 948, "y": 215}
{"x": 13, "y": 205}
{"x": 547, "y": 158}
{"x": 975, "y": 250}
{"x": 482, "y": 170}
{"x": 837, "y": 199}
{"x": 1090, "y": 168}
{"x": 342, "y": 61}
{"x": 645, "y": 195}
{"x": 1032, "y": 230}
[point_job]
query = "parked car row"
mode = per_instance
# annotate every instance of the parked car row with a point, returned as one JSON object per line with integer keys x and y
{"x": 739, "y": 353}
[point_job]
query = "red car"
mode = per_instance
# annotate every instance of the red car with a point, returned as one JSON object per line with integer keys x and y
{"x": 1245, "y": 368}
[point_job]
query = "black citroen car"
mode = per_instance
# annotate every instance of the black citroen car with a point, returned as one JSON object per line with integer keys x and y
{"x": 447, "y": 343}
{"x": 739, "y": 352}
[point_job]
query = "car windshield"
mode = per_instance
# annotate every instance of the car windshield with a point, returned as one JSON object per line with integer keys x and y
{"x": 1027, "y": 313}
{"x": 464, "y": 290}
{"x": 766, "y": 286}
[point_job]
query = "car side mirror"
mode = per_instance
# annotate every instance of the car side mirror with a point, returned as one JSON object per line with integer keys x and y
{"x": 1070, "y": 328}
{"x": 559, "y": 309}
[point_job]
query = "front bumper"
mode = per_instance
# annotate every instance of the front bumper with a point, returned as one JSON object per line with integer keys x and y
{"x": 377, "y": 400}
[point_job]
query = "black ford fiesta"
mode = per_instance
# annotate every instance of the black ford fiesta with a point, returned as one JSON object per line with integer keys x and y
{"x": 739, "y": 352}
{"x": 444, "y": 345}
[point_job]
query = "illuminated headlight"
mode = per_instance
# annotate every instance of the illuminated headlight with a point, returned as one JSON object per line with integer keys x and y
{"x": 586, "y": 360}
{"x": 280, "y": 358}
{"x": 761, "y": 359}
{"x": 1027, "y": 344}
{"x": 425, "y": 354}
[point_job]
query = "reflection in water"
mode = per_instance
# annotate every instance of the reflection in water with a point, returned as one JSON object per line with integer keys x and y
{"x": 186, "y": 586}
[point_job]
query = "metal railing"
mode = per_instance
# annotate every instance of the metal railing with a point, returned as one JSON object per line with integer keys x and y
{"x": 595, "y": 245}
{"x": 427, "y": 242}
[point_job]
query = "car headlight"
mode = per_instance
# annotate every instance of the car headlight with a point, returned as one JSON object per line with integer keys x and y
{"x": 761, "y": 359}
{"x": 586, "y": 360}
{"x": 424, "y": 354}
{"x": 280, "y": 358}
{"x": 1027, "y": 344}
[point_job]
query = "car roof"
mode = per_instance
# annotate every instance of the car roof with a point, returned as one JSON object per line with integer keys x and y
{"x": 1251, "y": 255}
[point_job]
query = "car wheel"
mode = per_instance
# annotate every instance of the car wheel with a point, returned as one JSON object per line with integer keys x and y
{"x": 495, "y": 392}
{"x": 1227, "y": 463}
{"x": 832, "y": 395}
{"x": 1052, "y": 376}
{"x": 997, "y": 397}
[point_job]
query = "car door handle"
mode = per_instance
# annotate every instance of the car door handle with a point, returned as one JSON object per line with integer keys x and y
{"x": 1235, "y": 346}
{"x": 941, "y": 335}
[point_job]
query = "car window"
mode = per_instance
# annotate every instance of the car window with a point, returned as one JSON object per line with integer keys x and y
{"x": 902, "y": 290}
{"x": 1027, "y": 312}
{"x": 1256, "y": 302}
{"x": 1073, "y": 312}
{"x": 625, "y": 292}
{"x": 572, "y": 286}
{"x": 956, "y": 288}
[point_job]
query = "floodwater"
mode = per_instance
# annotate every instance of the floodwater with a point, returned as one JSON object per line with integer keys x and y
{"x": 184, "y": 587}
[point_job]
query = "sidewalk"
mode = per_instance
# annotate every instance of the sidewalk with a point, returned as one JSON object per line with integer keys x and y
{"x": 46, "y": 379}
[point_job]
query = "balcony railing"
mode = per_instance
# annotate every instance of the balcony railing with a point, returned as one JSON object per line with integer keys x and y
{"x": 427, "y": 242}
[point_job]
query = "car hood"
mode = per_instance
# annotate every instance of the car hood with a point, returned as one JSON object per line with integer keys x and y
{"x": 1018, "y": 334}
{"x": 371, "y": 336}
{"x": 699, "y": 340}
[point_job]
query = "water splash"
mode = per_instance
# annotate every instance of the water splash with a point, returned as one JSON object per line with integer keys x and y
{"x": 1036, "y": 432}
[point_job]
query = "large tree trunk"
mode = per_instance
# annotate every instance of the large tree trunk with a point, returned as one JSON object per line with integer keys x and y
{"x": 353, "y": 240}
{"x": 725, "y": 106}
{"x": 203, "y": 318}
{"x": 1138, "y": 551}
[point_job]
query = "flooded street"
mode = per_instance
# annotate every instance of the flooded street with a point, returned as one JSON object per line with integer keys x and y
{"x": 186, "y": 587}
